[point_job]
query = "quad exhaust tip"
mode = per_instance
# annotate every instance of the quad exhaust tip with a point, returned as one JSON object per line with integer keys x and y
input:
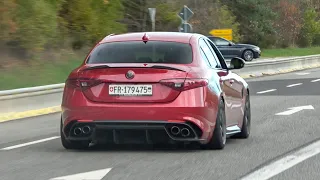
{"x": 77, "y": 131}
{"x": 175, "y": 130}
{"x": 185, "y": 132}
{"x": 86, "y": 129}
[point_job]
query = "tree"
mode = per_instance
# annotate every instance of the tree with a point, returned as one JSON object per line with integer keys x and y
{"x": 256, "y": 20}
{"x": 135, "y": 14}
{"x": 36, "y": 24}
{"x": 7, "y": 23}
{"x": 288, "y": 22}
{"x": 166, "y": 18}
{"x": 311, "y": 27}
{"x": 88, "y": 21}
{"x": 106, "y": 19}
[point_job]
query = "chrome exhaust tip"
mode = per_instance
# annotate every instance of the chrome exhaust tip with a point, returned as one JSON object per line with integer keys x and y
{"x": 77, "y": 131}
{"x": 185, "y": 132}
{"x": 86, "y": 129}
{"x": 175, "y": 130}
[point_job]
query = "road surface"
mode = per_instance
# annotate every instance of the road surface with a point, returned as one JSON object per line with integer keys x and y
{"x": 274, "y": 138}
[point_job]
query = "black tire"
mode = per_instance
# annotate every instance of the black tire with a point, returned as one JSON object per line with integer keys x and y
{"x": 72, "y": 144}
{"x": 248, "y": 55}
{"x": 219, "y": 138}
{"x": 245, "y": 130}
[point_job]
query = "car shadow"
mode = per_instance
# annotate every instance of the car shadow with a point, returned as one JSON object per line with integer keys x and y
{"x": 178, "y": 148}
{"x": 158, "y": 148}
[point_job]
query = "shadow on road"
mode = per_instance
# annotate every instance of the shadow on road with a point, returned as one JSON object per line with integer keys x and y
{"x": 165, "y": 148}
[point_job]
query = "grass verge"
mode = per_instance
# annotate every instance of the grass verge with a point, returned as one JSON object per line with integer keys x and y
{"x": 272, "y": 53}
{"x": 37, "y": 75}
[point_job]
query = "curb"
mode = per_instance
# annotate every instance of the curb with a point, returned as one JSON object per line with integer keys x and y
{"x": 55, "y": 109}
{"x": 278, "y": 72}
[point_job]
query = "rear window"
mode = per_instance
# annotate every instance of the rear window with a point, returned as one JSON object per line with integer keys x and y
{"x": 140, "y": 52}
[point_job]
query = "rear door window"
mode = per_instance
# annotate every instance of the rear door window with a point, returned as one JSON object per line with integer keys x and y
{"x": 205, "y": 58}
{"x": 140, "y": 52}
{"x": 214, "y": 62}
{"x": 214, "y": 54}
{"x": 218, "y": 53}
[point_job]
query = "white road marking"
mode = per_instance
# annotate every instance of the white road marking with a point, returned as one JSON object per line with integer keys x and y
{"x": 266, "y": 91}
{"x": 92, "y": 175}
{"x": 316, "y": 80}
{"x": 295, "y": 110}
{"x": 284, "y": 163}
{"x": 292, "y": 85}
{"x": 301, "y": 74}
{"x": 29, "y": 143}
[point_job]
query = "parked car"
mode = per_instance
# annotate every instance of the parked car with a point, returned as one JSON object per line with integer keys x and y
{"x": 155, "y": 87}
{"x": 230, "y": 50}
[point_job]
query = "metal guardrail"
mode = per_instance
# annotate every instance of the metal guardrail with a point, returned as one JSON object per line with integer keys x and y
{"x": 278, "y": 65}
{"x": 250, "y": 67}
{"x": 32, "y": 89}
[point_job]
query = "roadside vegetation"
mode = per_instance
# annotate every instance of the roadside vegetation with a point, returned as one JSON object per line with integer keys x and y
{"x": 287, "y": 52}
{"x": 42, "y": 40}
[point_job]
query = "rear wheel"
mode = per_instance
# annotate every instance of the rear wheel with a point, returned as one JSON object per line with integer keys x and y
{"x": 248, "y": 55}
{"x": 245, "y": 130}
{"x": 72, "y": 144}
{"x": 219, "y": 137}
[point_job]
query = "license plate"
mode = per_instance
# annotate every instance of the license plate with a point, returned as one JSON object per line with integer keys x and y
{"x": 130, "y": 90}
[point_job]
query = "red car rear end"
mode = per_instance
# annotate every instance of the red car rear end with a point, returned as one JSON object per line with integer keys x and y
{"x": 140, "y": 88}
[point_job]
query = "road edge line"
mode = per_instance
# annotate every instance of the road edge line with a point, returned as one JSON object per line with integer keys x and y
{"x": 29, "y": 143}
{"x": 284, "y": 162}
{"x": 30, "y": 113}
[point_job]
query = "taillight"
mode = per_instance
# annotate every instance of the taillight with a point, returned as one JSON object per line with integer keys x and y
{"x": 184, "y": 84}
{"x": 82, "y": 83}
{"x": 72, "y": 83}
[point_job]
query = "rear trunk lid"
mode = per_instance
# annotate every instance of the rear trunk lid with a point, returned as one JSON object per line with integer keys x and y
{"x": 127, "y": 83}
{"x": 136, "y": 71}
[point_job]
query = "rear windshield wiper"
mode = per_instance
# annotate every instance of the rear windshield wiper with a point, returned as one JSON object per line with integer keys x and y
{"x": 167, "y": 67}
{"x": 97, "y": 67}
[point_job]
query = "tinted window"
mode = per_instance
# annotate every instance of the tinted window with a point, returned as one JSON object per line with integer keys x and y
{"x": 221, "y": 42}
{"x": 205, "y": 57}
{"x": 218, "y": 53}
{"x": 213, "y": 39}
{"x": 140, "y": 52}
{"x": 214, "y": 54}
{"x": 213, "y": 61}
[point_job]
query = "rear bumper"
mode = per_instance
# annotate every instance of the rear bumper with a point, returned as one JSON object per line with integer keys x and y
{"x": 107, "y": 122}
{"x": 136, "y": 132}
{"x": 192, "y": 108}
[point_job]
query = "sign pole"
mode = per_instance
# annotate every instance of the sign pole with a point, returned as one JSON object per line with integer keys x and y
{"x": 152, "y": 13}
{"x": 185, "y": 19}
{"x": 185, "y": 14}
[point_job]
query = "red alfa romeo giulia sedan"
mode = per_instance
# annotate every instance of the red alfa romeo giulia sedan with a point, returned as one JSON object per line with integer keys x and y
{"x": 155, "y": 87}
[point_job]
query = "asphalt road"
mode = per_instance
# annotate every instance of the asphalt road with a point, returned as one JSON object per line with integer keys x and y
{"x": 273, "y": 137}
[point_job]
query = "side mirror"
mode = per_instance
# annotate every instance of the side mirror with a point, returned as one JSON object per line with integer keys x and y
{"x": 230, "y": 44}
{"x": 236, "y": 63}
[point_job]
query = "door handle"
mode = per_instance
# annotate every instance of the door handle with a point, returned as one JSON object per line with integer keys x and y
{"x": 231, "y": 81}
